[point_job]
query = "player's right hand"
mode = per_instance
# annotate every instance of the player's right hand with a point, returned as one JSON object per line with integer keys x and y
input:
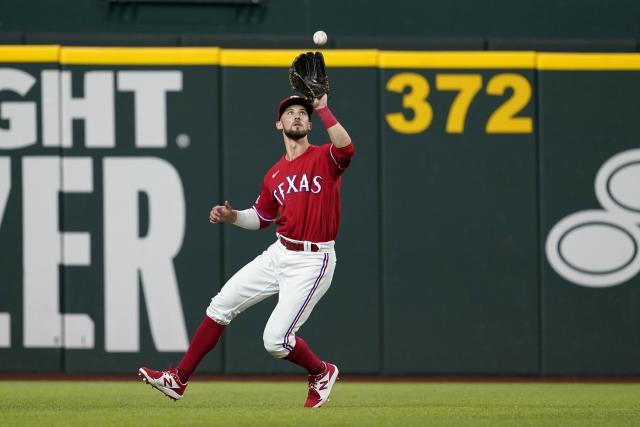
{"x": 222, "y": 213}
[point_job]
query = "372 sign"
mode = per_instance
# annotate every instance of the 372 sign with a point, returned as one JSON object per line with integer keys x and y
{"x": 415, "y": 90}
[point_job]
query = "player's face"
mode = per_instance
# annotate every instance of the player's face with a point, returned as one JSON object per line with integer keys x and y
{"x": 295, "y": 122}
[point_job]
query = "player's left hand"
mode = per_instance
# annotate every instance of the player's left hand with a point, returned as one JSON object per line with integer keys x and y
{"x": 320, "y": 102}
{"x": 308, "y": 76}
{"x": 222, "y": 213}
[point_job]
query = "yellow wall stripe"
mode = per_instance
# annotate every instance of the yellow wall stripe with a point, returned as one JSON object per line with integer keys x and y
{"x": 588, "y": 61}
{"x": 257, "y": 58}
{"x": 284, "y": 58}
{"x": 140, "y": 56}
{"x": 32, "y": 53}
{"x": 334, "y": 58}
{"x": 473, "y": 60}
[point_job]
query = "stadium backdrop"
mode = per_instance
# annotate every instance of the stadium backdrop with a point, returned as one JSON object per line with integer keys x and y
{"x": 110, "y": 159}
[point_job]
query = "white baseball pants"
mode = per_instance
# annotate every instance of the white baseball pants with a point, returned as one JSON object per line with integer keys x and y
{"x": 299, "y": 278}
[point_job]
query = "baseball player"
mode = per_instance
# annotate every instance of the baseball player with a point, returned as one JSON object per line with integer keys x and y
{"x": 301, "y": 194}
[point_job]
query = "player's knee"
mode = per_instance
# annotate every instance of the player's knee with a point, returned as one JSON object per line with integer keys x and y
{"x": 218, "y": 313}
{"x": 275, "y": 344}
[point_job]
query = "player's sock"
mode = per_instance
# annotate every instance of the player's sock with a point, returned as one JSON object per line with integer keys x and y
{"x": 205, "y": 338}
{"x": 302, "y": 355}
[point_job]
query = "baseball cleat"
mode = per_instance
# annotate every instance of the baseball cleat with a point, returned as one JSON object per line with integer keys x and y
{"x": 320, "y": 386}
{"x": 167, "y": 381}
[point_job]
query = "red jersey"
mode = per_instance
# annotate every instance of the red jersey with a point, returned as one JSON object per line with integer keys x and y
{"x": 302, "y": 196}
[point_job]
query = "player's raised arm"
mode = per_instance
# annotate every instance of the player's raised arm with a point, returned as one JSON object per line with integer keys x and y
{"x": 337, "y": 134}
{"x": 308, "y": 77}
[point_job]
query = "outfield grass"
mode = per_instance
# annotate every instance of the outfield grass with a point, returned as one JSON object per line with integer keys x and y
{"x": 279, "y": 404}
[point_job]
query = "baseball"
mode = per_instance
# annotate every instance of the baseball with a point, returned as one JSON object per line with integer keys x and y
{"x": 320, "y": 38}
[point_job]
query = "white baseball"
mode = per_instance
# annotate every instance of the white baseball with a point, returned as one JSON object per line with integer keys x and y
{"x": 320, "y": 38}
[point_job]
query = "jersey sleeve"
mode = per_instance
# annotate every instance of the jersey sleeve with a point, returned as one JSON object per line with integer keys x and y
{"x": 266, "y": 206}
{"x": 341, "y": 157}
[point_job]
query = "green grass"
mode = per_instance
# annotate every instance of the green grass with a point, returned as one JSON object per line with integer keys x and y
{"x": 279, "y": 404}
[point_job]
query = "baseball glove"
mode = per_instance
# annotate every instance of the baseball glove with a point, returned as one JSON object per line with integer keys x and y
{"x": 307, "y": 76}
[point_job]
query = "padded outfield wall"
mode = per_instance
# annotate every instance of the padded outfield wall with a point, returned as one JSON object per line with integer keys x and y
{"x": 490, "y": 218}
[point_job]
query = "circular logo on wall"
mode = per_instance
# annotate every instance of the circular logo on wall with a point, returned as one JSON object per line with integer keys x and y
{"x": 601, "y": 248}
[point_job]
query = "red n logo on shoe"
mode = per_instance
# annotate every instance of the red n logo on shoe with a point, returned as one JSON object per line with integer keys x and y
{"x": 323, "y": 385}
{"x": 168, "y": 382}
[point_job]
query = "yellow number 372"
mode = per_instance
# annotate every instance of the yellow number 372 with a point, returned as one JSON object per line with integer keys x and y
{"x": 503, "y": 120}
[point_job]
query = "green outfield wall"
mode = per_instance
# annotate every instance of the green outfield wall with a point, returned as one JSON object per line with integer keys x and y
{"x": 490, "y": 217}
{"x": 346, "y": 21}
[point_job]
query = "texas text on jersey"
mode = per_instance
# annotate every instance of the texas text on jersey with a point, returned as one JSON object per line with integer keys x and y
{"x": 305, "y": 192}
